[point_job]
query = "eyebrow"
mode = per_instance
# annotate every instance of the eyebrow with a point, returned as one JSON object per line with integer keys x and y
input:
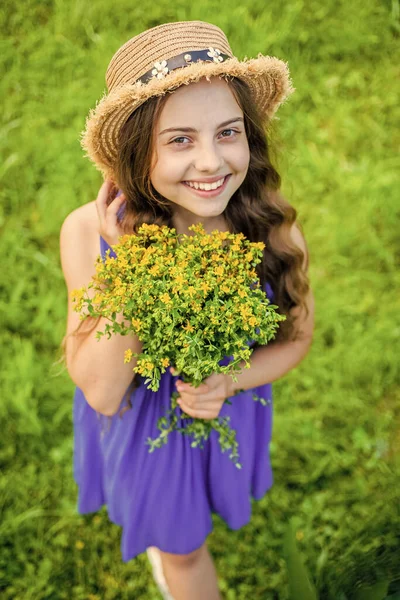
{"x": 192, "y": 130}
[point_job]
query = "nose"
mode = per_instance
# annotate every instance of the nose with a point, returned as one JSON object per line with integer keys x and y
{"x": 209, "y": 158}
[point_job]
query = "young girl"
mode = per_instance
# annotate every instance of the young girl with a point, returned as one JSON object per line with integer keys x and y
{"x": 180, "y": 138}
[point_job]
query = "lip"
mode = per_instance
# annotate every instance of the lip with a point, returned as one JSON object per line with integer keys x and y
{"x": 209, "y": 193}
{"x": 207, "y": 179}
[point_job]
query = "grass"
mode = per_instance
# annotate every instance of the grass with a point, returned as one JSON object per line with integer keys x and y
{"x": 336, "y": 440}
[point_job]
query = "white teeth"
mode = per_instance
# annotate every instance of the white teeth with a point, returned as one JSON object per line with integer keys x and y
{"x": 206, "y": 186}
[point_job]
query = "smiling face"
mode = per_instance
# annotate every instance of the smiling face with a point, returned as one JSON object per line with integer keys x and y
{"x": 208, "y": 142}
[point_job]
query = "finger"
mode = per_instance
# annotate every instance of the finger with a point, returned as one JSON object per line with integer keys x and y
{"x": 197, "y": 413}
{"x": 190, "y": 389}
{"x": 202, "y": 403}
{"x": 114, "y": 207}
{"x": 102, "y": 198}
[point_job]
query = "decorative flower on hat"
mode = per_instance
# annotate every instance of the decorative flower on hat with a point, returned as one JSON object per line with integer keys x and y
{"x": 215, "y": 54}
{"x": 160, "y": 69}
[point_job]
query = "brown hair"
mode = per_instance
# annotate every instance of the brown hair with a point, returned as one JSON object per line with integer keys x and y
{"x": 256, "y": 209}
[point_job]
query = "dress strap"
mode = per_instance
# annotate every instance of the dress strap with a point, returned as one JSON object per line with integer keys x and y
{"x": 269, "y": 292}
{"x": 104, "y": 247}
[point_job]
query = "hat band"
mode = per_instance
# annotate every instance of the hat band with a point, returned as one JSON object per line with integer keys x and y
{"x": 162, "y": 68}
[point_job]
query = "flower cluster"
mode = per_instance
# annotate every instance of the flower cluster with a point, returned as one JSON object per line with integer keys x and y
{"x": 191, "y": 300}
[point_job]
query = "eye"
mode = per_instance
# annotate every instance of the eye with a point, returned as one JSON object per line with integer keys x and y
{"x": 233, "y": 130}
{"x": 175, "y": 141}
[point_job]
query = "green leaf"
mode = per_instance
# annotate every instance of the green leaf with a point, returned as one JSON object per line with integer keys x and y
{"x": 378, "y": 591}
{"x": 300, "y": 586}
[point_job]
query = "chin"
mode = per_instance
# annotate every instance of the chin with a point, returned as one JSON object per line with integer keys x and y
{"x": 208, "y": 213}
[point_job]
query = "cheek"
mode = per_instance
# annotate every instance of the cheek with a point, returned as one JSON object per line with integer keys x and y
{"x": 244, "y": 156}
{"x": 238, "y": 156}
{"x": 240, "y": 162}
{"x": 168, "y": 171}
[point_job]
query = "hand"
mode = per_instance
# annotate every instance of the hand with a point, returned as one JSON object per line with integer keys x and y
{"x": 205, "y": 401}
{"x": 107, "y": 206}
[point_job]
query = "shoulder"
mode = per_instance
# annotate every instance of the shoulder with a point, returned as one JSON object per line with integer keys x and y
{"x": 296, "y": 234}
{"x": 83, "y": 217}
{"x": 80, "y": 238}
{"x": 81, "y": 223}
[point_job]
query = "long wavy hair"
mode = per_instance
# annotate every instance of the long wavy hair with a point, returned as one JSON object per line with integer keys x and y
{"x": 257, "y": 209}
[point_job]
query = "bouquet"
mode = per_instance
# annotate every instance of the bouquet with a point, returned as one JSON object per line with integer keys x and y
{"x": 191, "y": 300}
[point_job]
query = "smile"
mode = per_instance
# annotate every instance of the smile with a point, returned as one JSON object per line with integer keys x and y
{"x": 208, "y": 189}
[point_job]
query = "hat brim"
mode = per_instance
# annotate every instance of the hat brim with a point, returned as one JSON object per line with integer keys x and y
{"x": 268, "y": 78}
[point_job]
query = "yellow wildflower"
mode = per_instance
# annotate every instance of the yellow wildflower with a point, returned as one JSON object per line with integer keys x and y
{"x": 128, "y": 356}
{"x": 77, "y": 294}
{"x": 245, "y": 311}
{"x": 109, "y": 262}
{"x": 120, "y": 291}
{"x": 180, "y": 279}
{"x": 149, "y": 228}
{"x": 122, "y": 262}
{"x": 136, "y": 323}
{"x": 155, "y": 269}
{"x": 166, "y": 298}
{"x": 258, "y": 245}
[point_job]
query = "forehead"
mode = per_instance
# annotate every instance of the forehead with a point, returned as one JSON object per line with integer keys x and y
{"x": 202, "y": 102}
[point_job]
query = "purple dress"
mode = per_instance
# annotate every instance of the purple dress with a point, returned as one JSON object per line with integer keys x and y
{"x": 165, "y": 499}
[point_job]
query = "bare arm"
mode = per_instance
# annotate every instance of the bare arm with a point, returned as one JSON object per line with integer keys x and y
{"x": 94, "y": 365}
{"x": 271, "y": 362}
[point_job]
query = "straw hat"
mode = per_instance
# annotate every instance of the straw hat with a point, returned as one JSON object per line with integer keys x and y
{"x": 163, "y": 58}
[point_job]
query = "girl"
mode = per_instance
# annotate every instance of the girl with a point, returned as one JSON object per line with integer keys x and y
{"x": 180, "y": 138}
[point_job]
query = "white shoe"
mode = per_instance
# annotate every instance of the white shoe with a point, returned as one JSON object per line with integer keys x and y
{"x": 154, "y": 557}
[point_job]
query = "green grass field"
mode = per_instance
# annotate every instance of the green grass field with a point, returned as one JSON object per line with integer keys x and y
{"x": 336, "y": 439}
